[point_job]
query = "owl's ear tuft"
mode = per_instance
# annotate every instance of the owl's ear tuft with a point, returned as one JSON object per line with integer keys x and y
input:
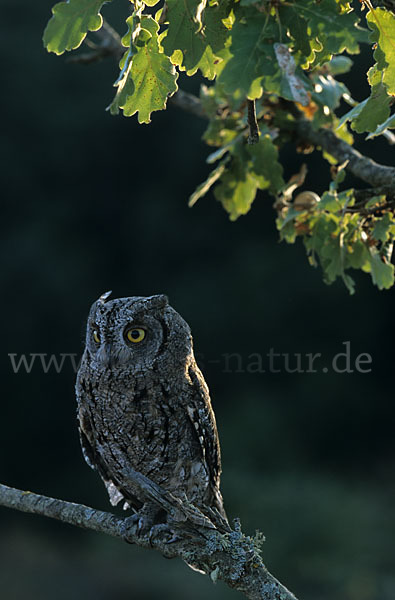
{"x": 158, "y": 301}
{"x": 104, "y": 297}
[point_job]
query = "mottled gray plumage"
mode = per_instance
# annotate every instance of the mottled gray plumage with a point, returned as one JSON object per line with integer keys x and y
{"x": 145, "y": 404}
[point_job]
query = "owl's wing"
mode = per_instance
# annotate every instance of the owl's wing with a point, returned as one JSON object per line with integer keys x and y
{"x": 89, "y": 448}
{"x": 202, "y": 416}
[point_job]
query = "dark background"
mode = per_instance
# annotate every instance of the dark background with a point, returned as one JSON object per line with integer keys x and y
{"x": 92, "y": 202}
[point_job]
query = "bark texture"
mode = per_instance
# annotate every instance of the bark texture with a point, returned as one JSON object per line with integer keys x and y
{"x": 231, "y": 556}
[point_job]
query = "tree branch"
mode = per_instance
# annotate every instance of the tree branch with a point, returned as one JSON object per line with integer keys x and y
{"x": 364, "y": 168}
{"x": 231, "y": 557}
{"x": 359, "y": 165}
{"x": 380, "y": 177}
{"x": 110, "y": 45}
{"x": 188, "y": 102}
{"x": 253, "y": 137}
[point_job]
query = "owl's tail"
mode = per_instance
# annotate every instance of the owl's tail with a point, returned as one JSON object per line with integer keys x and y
{"x": 217, "y": 512}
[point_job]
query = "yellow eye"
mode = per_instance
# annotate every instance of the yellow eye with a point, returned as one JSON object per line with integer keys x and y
{"x": 135, "y": 334}
{"x": 96, "y": 336}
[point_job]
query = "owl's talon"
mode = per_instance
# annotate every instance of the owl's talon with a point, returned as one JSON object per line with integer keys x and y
{"x": 138, "y": 525}
{"x": 175, "y": 538}
{"x": 162, "y": 530}
{"x": 131, "y": 527}
{"x": 144, "y": 523}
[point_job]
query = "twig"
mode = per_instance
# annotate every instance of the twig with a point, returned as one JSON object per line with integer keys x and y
{"x": 253, "y": 137}
{"x": 110, "y": 45}
{"x": 364, "y": 168}
{"x": 232, "y": 557}
{"x": 388, "y": 4}
{"x": 188, "y": 102}
{"x": 359, "y": 165}
{"x": 363, "y": 196}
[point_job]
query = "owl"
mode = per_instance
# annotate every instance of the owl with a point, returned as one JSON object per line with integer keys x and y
{"x": 144, "y": 404}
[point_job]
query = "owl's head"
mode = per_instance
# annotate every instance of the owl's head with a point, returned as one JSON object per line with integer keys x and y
{"x": 136, "y": 334}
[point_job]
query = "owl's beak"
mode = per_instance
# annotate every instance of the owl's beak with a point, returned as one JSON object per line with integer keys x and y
{"x": 108, "y": 353}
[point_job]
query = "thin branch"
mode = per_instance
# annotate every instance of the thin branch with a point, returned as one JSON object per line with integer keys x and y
{"x": 388, "y": 4}
{"x": 110, "y": 45}
{"x": 364, "y": 168}
{"x": 359, "y": 165}
{"x": 363, "y": 196}
{"x": 253, "y": 137}
{"x": 231, "y": 557}
{"x": 188, "y": 102}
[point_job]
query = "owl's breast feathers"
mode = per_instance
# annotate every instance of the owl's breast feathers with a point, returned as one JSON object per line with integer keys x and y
{"x": 166, "y": 432}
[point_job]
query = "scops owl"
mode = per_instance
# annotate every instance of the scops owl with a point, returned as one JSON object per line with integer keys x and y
{"x": 143, "y": 403}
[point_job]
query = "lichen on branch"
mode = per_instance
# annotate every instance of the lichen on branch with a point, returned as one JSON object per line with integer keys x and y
{"x": 231, "y": 556}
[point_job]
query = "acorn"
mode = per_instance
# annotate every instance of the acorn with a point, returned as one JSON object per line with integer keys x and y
{"x": 306, "y": 200}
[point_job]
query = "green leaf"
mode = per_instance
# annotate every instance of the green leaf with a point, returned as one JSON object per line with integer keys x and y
{"x": 238, "y": 185}
{"x": 203, "y": 188}
{"x": 333, "y": 26}
{"x": 198, "y": 31}
{"x": 251, "y": 57}
{"x": 382, "y": 23}
{"x": 236, "y": 195}
{"x": 353, "y": 113}
{"x": 382, "y": 273}
{"x": 332, "y": 258}
{"x": 330, "y": 201}
{"x": 376, "y": 201}
{"x": 70, "y": 23}
{"x": 383, "y": 227}
{"x": 357, "y": 255}
{"x": 214, "y": 156}
{"x": 323, "y": 241}
{"x": 287, "y": 231}
{"x": 349, "y": 283}
{"x": 291, "y": 215}
{"x": 265, "y": 164}
{"x": 221, "y": 132}
{"x": 388, "y": 124}
{"x": 374, "y": 112}
{"x": 339, "y": 65}
{"x": 328, "y": 91}
{"x": 149, "y": 79}
{"x": 292, "y": 20}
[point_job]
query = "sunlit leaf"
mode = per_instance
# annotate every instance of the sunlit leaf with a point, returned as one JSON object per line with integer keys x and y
{"x": 388, "y": 124}
{"x": 251, "y": 57}
{"x": 383, "y": 227}
{"x": 334, "y": 27}
{"x": 196, "y": 29}
{"x": 204, "y": 187}
{"x": 148, "y": 81}
{"x": 266, "y": 164}
{"x": 70, "y": 23}
{"x": 382, "y": 22}
{"x": 375, "y": 111}
{"x": 382, "y": 273}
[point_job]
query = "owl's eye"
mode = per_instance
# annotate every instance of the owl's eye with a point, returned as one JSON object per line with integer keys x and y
{"x": 135, "y": 334}
{"x": 96, "y": 335}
